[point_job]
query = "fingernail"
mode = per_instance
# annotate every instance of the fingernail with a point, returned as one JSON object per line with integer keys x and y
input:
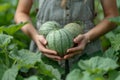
{"x": 65, "y": 57}
{"x": 45, "y": 42}
{"x": 75, "y": 40}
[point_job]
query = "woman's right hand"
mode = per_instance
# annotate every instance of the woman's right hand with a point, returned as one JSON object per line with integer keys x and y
{"x": 41, "y": 43}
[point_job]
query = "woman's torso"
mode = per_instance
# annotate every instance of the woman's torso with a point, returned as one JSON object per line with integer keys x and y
{"x": 77, "y": 10}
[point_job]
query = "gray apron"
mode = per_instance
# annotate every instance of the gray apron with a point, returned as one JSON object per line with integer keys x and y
{"x": 77, "y": 10}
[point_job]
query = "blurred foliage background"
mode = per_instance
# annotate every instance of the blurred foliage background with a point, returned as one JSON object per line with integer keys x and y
{"x": 7, "y": 11}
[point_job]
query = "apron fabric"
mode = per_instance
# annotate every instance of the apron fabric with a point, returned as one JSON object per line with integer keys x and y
{"x": 77, "y": 10}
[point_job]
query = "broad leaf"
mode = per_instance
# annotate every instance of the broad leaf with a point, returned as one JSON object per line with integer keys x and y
{"x": 10, "y": 74}
{"x": 83, "y": 75}
{"x": 75, "y": 75}
{"x": 118, "y": 4}
{"x": 111, "y": 53}
{"x": 19, "y": 77}
{"x": 19, "y": 43}
{"x": 4, "y": 7}
{"x": 32, "y": 78}
{"x": 1, "y": 29}
{"x": 25, "y": 58}
{"x": 114, "y": 75}
{"x": 13, "y": 28}
{"x": 118, "y": 78}
{"x": 110, "y": 35}
{"x": 115, "y": 42}
{"x": 55, "y": 64}
{"x": 3, "y": 68}
{"x": 12, "y": 46}
{"x": 5, "y": 39}
{"x": 115, "y": 20}
{"x": 48, "y": 70}
{"x": 89, "y": 76}
{"x": 98, "y": 64}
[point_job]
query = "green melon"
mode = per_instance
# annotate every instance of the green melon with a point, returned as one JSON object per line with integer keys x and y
{"x": 74, "y": 28}
{"x": 48, "y": 26}
{"x": 59, "y": 40}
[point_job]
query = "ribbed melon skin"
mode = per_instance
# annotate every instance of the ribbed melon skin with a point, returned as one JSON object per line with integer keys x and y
{"x": 48, "y": 26}
{"x": 59, "y": 40}
{"x": 74, "y": 28}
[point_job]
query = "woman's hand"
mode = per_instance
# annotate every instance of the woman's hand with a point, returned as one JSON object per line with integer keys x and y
{"x": 81, "y": 41}
{"x": 41, "y": 43}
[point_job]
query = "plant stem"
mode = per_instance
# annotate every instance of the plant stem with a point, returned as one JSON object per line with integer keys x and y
{"x": 6, "y": 57}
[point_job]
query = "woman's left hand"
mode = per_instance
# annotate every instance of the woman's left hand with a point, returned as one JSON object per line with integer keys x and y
{"x": 81, "y": 41}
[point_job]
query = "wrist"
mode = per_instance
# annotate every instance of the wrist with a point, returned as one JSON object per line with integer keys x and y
{"x": 87, "y": 37}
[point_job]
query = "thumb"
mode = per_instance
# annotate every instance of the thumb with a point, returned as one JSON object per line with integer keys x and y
{"x": 43, "y": 40}
{"x": 78, "y": 39}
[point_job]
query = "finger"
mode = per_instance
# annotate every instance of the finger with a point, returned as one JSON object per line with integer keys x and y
{"x": 78, "y": 39}
{"x": 71, "y": 54}
{"x": 80, "y": 47}
{"x": 54, "y": 57}
{"x": 44, "y": 50}
{"x": 42, "y": 40}
{"x": 52, "y": 52}
{"x": 74, "y": 49}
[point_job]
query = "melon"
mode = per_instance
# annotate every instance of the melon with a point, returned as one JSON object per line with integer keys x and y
{"x": 48, "y": 26}
{"x": 74, "y": 28}
{"x": 59, "y": 40}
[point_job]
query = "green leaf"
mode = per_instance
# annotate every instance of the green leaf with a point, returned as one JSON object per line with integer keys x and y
{"x": 3, "y": 68}
{"x": 105, "y": 42}
{"x": 25, "y": 58}
{"x": 54, "y": 64}
{"x": 10, "y": 74}
{"x": 114, "y": 75}
{"x": 12, "y": 28}
{"x": 12, "y": 46}
{"x": 110, "y": 35}
{"x": 32, "y": 78}
{"x": 118, "y": 78}
{"x": 5, "y": 39}
{"x": 1, "y": 29}
{"x": 83, "y": 75}
{"x": 115, "y": 42}
{"x": 22, "y": 40}
{"x": 118, "y": 4}
{"x": 48, "y": 70}
{"x": 19, "y": 77}
{"x": 116, "y": 30}
{"x": 74, "y": 75}
{"x": 98, "y": 64}
{"x": 4, "y": 7}
{"x": 89, "y": 76}
{"x": 112, "y": 54}
{"x": 115, "y": 20}
{"x": 19, "y": 43}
